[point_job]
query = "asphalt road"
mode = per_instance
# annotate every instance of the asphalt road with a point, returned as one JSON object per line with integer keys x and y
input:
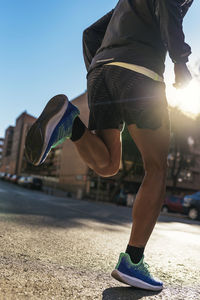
{"x": 62, "y": 248}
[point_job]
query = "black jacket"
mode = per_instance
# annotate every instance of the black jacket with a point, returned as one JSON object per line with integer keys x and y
{"x": 139, "y": 32}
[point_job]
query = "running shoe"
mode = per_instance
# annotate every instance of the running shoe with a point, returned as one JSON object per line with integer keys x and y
{"x": 136, "y": 275}
{"x": 53, "y": 127}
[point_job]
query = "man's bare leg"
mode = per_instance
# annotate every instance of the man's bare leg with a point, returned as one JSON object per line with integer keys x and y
{"x": 154, "y": 146}
{"x": 101, "y": 151}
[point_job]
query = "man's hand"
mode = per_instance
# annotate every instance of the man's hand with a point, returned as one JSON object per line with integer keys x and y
{"x": 182, "y": 75}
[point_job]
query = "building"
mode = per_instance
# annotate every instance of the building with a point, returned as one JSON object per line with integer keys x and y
{"x": 7, "y": 148}
{"x": 63, "y": 167}
{"x": 17, "y": 160}
{"x": 13, "y": 157}
{"x": 13, "y": 150}
{"x": 1, "y": 150}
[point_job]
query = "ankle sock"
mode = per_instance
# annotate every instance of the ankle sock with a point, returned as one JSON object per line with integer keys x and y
{"x": 135, "y": 253}
{"x": 78, "y": 129}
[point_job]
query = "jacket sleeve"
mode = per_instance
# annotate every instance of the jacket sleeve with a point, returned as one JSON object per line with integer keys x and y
{"x": 93, "y": 37}
{"x": 185, "y": 6}
{"x": 170, "y": 17}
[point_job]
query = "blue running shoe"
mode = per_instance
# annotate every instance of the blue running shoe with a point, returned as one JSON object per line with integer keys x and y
{"x": 53, "y": 127}
{"x": 136, "y": 275}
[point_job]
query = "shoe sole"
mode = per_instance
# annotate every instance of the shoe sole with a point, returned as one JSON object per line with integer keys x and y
{"x": 39, "y": 135}
{"x": 134, "y": 281}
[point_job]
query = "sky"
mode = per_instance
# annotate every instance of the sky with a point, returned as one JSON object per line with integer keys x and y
{"x": 41, "y": 51}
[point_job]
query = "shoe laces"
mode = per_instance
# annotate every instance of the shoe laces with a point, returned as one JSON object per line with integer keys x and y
{"x": 146, "y": 268}
{"x": 146, "y": 265}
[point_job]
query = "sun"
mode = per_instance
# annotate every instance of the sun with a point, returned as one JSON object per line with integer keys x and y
{"x": 187, "y": 99}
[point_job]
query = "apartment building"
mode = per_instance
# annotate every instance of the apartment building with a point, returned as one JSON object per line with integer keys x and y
{"x": 7, "y": 148}
{"x": 1, "y": 150}
{"x": 17, "y": 159}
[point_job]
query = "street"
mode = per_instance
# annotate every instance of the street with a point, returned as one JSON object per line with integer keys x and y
{"x": 63, "y": 248}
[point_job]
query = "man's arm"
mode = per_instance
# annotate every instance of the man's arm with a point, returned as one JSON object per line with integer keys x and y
{"x": 185, "y": 6}
{"x": 170, "y": 18}
{"x": 93, "y": 37}
{"x": 170, "y": 15}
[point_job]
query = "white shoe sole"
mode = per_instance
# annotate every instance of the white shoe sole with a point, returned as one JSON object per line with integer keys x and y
{"x": 50, "y": 126}
{"x": 134, "y": 281}
{"x": 40, "y": 133}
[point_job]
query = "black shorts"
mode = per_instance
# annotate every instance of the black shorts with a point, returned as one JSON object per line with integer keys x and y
{"x": 117, "y": 95}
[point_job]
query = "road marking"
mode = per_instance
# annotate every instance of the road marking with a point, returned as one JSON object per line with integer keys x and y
{"x": 21, "y": 193}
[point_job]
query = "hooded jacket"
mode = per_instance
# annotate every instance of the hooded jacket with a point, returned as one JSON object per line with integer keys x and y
{"x": 138, "y": 32}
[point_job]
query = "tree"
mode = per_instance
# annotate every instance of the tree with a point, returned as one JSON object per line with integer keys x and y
{"x": 180, "y": 155}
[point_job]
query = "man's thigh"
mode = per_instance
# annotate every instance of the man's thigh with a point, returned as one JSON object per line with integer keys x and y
{"x": 153, "y": 144}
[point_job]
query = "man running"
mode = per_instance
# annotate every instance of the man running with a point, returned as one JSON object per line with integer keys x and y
{"x": 124, "y": 54}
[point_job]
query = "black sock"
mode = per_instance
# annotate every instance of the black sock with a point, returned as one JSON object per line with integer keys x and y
{"x": 135, "y": 253}
{"x": 78, "y": 129}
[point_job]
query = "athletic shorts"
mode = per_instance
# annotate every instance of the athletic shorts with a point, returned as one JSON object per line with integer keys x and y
{"x": 117, "y": 95}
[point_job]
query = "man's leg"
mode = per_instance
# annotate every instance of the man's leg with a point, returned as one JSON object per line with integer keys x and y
{"x": 153, "y": 146}
{"x": 101, "y": 151}
{"x": 59, "y": 120}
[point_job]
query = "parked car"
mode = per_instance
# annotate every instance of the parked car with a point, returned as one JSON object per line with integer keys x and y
{"x": 34, "y": 183}
{"x": 173, "y": 204}
{"x": 192, "y": 205}
{"x": 31, "y": 182}
{"x": 2, "y": 175}
{"x": 7, "y": 177}
{"x": 22, "y": 181}
{"x": 14, "y": 178}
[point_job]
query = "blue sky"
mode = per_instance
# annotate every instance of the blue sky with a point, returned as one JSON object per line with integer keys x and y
{"x": 41, "y": 51}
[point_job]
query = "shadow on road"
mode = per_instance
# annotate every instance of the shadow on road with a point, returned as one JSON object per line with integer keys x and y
{"x": 64, "y": 212}
{"x": 126, "y": 293}
{"x": 56, "y": 211}
{"x": 176, "y": 218}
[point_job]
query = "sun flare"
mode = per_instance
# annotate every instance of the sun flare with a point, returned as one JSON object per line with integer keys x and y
{"x": 187, "y": 99}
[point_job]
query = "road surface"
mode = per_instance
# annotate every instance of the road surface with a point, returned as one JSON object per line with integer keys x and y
{"x": 63, "y": 248}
